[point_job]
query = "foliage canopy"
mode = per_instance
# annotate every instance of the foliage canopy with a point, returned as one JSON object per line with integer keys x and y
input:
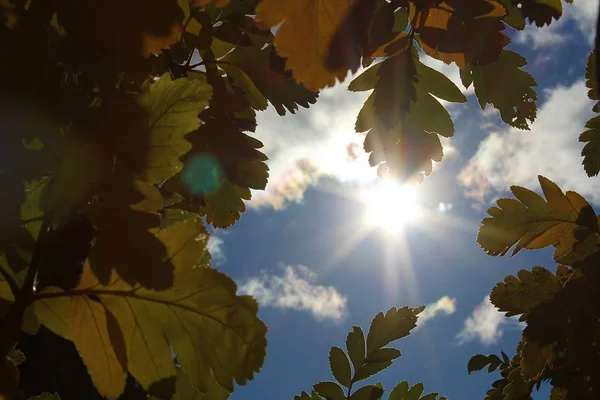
{"x": 128, "y": 125}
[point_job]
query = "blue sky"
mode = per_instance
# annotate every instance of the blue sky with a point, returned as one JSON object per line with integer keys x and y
{"x": 304, "y": 250}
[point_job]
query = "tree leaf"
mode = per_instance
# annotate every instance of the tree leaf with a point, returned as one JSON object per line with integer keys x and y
{"x": 329, "y": 390}
{"x": 591, "y": 82}
{"x": 393, "y": 325}
{"x": 540, "y": 12}
{"x": 185, "y": 390}
{"x": 339, "y": 365}
{"x": 519, "y": 295}
{"x": 45, "y": 396}
{"x": 172, "y": 107}
{"x": 223, "y": 207}
{"x": 467, "y": 33}
{"x": 266, "y": 71}
{"x": 16, "y": 356}
{"x": 591, "y": 150}
{"x": 480, "y": 361}
{"x": 355, "y": 345}
{"x": 54, "y": 312}
{"x": 101, "y": 345}
{"x": 376, "y": 362}
{"x": 507, "y": 87}
{"x": 303, "y": 38}
{"x": 211, "y": 331}
{"x": 514, "y": 16}
{"x": 369, "y": 392}
{"x": 531, "y": 222}
{"x": 534, "y": 358}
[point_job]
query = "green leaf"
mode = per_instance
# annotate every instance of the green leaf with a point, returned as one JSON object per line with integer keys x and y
{"x": 438, "y": 84}
{"x": 480, "y": 361}
{"x": 591, "y": 150}
{"x": 224, "y": 207}
{"x": 403, "y": 392}
{"x": 265, "y": 71}
{"x": 376, "y": 362}
{"x": 395, "y": 89}
{"x": 534, "y": 358}
{"x": 531, "y": 222}
{"x": 514, "y": 16}
{"x": 591, "y": 82}
{"x": 16, "y": 356}
{"x": 369, "y": 392}
{"x": 200, "y": 319}
{"x": 519, "y": 295}
{"x": 339, "y": 365}
{"x": 507, "y": 87}
{"x": 393, "y": 325}
{"x": 172, "y": 107}
{"x": 185, "y": 390}
{"x": 306, "y": 396}
{"x": 355, "y": 345}
{"x": 330, "y": 390}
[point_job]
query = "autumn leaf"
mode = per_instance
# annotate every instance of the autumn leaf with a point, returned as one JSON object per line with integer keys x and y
{"x": 531, "y": 222}
{"x": 211, "y": 331}
{"x": 519, "y": 295}
{"x": 507, "y": 87}
{"x": 467, "y": 33}
{"x": 306, "y": 30}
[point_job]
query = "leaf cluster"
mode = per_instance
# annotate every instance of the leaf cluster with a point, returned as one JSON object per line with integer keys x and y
{"x": 560, "y": 310}
{"x": 364, "y": 358}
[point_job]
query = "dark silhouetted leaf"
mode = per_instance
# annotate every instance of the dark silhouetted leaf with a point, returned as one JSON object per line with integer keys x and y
{"x": 329, "y": 390}
{"x": 393, "y": 325}
{"x": 591, "y": 150}
{"x": 507, "y": 87}
{"x": 376, "y": 362}
{"x": 480, "y": 361}
{"x": 519, "y": 295}
{"x": 369, "y": 392}
{"x": 356, "y": 347}
{"x": 340, "y": 366}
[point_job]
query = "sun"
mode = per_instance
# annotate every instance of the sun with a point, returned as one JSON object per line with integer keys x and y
{"x": 390, "y": 206}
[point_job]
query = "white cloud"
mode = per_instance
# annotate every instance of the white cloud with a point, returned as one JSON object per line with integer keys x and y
{"x": 215, "y": 248}
{"x": 312, "y": 143}
{"x": 485, "y": 324}
{"x": 551, "y": 149}
{"x": 296, "y": 289}
{"x": 443, "y": 306}
{"x": 582, "y": 13}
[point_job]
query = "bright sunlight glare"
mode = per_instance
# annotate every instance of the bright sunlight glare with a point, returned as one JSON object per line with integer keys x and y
{"x": 390, "y": 206}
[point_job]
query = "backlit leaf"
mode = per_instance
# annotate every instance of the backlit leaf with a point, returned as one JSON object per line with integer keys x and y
{"x": 369, "y": 392}
{"x": 355, "y": 346}
{"x": 519, "y": 295}
{"x": 211, "y": 331}
{"x": 340, "y": 366}
{"x": 330, "y": 390}
{"x": 507, "y": 87}
{"x": 303, "y": 38}
{"x": 53, "y": 312}
{"x": 531, "y": 222}
{"x": 223, "y": 207}
{"x": 534, "y": 358}
{"x": 184, "y": 390}
{"x": 100, "y": 343}
{"x": 173, "y": 107}
{"x": 393, "y": 325}
{"x": 376, "y": 362}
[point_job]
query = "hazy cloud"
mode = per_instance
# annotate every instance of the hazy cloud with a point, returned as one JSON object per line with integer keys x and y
{"x": 443, "y": 306}
{"x": 551, "y": 148}
{"x": 296, "y": 289}
{"x": 485, "y": 324}
{"x": 215, "y": 248}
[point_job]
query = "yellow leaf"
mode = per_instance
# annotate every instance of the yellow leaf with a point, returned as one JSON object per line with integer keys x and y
{"x": 53, "y": 313}
{"x": 531, "y": 222}
{"x": 99, "y": 342}
{"x": 306, "y": 31}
